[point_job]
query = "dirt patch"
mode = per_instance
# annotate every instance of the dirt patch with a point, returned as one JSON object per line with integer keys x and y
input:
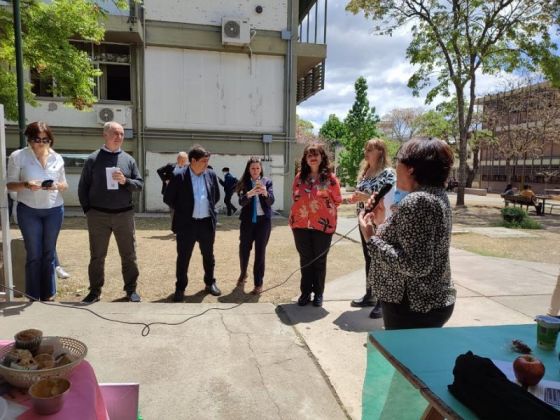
{"x": 157, "y": 254}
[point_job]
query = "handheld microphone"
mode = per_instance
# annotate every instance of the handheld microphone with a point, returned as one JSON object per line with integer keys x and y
{"x": 380, "y": 194}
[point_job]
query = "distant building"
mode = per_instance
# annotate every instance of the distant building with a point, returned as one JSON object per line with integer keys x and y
{"x": 526, "y": 123}
{"x": 227, "y": 75}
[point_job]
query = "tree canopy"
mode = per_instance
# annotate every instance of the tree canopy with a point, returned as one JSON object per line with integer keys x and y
{"x": 360, "y": 126}
{"x": 46, "y": 31}
{"x": 454, "y": 40}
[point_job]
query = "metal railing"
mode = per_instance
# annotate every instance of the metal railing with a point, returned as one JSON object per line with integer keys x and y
{"x": 313, "y": 23}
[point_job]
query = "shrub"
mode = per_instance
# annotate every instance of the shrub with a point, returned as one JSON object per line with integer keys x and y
{"x": 517, "y": 218}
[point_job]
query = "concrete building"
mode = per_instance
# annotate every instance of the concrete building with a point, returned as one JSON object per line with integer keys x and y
{"x": 224, "y": 74}
{"x": 526, "y": 124}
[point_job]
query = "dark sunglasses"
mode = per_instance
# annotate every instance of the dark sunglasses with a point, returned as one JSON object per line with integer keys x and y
{"x": 313, "y": 153}
{"x": 43, "y": 140}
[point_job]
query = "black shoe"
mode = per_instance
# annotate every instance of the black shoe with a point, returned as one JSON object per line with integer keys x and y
{"x": 376, "y": 312}
{"x": 318, "y": 300}
{"x": 304, "y": 299}
{"x": 133, "y": 297}
{"x": 178, "y": 296}
{"x": 363, "y": 302}
{"x": 91, "y": 297}
{"x": 213, "y": 289}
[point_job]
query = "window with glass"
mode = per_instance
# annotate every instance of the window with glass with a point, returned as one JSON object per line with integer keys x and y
{"x": 112, "y": 59}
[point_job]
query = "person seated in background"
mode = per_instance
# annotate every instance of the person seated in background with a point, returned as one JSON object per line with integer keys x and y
{"x": 528, "y": 192}
{"x": 451, "y": 184}
{"x": 509, "y": 190}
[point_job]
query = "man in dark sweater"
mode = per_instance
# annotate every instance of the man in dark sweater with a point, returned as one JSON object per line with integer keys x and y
{"x": 109, "y": 177}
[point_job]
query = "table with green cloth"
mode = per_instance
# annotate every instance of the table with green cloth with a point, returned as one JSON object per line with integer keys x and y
{"x": 408, "y": 370}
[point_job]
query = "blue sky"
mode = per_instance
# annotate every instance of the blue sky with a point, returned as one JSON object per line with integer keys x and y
{"x": 353, "y": 51}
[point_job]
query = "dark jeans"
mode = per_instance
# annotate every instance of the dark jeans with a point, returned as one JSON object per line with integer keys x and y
{"x": 310, "y": 244}
{"x": 367, "y": 258}
{"x": 203, "y": 232}
{"x": 100, "y": 226}
{"x": 259, "y": 233}
{"x": 399, "y": 316}
{"x": 230, "y": 207}
{"x": 40, "y": 228}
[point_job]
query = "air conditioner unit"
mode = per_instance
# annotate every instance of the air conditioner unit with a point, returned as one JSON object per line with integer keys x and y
{"x": 111, "y": 113}
{"x": 235, "y": 31}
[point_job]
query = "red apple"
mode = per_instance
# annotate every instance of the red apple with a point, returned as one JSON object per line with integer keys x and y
{"x": 528, "y": 370}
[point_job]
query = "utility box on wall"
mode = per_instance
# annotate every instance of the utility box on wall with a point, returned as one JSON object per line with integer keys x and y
{"x": 235, "y": 31}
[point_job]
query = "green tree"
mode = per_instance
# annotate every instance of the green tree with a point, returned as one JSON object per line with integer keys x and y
{"x": 46, "y": 30}
{"x": 454, "y": 40}
{"x": 332, "y": 130}
{"x": 360, "y": 126}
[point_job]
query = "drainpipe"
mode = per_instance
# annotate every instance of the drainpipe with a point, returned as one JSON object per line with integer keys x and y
{"x": 139, "y": 71}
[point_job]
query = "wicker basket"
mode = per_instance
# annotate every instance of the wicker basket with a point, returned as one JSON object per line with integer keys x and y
{"x": 26, "y": 378}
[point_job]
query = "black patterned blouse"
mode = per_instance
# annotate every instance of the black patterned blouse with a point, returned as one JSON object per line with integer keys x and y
{"x": 410, "y": 252}
{"x": 374, "y": 184}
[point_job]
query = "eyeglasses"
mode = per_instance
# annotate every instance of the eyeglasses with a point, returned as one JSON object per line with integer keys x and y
{"x": 312, "y": 153}
{"x": 44, "y": 140}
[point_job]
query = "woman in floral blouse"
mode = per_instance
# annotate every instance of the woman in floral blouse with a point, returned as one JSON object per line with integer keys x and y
{"x": 410, "y": 270}
{"x": 316, "y": 196}
{"x": 375, "y": 171}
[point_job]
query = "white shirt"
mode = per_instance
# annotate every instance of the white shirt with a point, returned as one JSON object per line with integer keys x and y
{"x": 24, "y": 166}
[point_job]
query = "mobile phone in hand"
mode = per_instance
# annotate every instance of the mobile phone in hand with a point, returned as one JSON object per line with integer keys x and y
{"x": 47, "y": 183}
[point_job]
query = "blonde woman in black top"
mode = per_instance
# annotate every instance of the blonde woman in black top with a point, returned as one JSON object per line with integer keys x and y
{"x": 375, "y": 171}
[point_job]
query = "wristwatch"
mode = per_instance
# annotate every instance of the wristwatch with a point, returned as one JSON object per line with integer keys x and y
{"x": 26, "y": 184}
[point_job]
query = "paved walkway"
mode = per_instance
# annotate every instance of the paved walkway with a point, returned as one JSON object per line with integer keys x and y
{"x": 259, "y": 361}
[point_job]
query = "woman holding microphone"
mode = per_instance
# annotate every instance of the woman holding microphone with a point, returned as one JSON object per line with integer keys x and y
{"x": 256, "y": 198}
{"x": 410, "y": 270}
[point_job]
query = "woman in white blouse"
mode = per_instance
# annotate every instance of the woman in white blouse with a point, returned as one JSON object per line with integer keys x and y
{"x": 36, "y": 173}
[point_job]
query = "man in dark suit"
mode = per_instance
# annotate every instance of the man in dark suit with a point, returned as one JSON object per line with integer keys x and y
{"x": 193, "y": 193}
{"x": 166, "y": 172}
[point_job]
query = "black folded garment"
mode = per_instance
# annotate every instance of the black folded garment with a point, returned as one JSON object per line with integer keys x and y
{"x": 482, "y": 387}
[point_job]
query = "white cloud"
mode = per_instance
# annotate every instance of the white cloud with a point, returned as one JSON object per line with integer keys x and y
{"x": 354, "y": 51}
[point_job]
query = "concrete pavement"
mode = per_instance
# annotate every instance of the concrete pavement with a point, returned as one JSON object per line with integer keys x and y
{"x": 258, "y": 361}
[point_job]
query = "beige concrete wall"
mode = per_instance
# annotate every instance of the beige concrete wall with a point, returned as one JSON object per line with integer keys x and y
{"x": 206, "y": 90}
{"x": 210, "y": 12}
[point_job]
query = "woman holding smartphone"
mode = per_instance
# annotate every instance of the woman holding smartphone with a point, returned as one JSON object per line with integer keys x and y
{"x": 256, "y": 198}
{"x": 36, "y": 173}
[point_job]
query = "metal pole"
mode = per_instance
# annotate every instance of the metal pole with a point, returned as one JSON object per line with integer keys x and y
{"x": 19, "y": 73}
{"x": 4, "y": 216}
{"x": 325, "y": 25}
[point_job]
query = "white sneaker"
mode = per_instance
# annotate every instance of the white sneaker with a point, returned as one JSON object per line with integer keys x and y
{"x": 60, "y": 273}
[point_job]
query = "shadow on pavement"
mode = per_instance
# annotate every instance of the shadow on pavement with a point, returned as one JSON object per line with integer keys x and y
{"x": 292, "y": 314}
{"x": 16, "y": 308}
{"x": 238, "y": 295}
{"x": 358, "y": 321}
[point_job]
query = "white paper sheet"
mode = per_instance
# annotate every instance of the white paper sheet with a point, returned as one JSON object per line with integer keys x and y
{"x": 547, "y": 391}
{"x": 111, "y": 183}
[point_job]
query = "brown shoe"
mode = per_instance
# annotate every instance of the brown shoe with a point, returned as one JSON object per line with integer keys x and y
{"x": 257, "y": 290}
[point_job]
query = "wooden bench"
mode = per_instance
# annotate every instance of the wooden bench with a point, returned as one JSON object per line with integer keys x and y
{"x": 522, "y": 201}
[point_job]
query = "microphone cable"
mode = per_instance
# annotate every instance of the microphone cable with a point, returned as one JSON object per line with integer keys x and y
{"x": 146, "y": 326}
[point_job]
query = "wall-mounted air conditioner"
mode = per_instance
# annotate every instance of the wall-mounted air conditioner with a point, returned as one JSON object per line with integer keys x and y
{"x": 235, "y": 31}
{"x": 110, "y": 113}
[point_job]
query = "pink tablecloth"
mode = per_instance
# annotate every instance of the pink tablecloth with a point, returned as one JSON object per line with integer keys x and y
{"x": 84, "y": 400}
